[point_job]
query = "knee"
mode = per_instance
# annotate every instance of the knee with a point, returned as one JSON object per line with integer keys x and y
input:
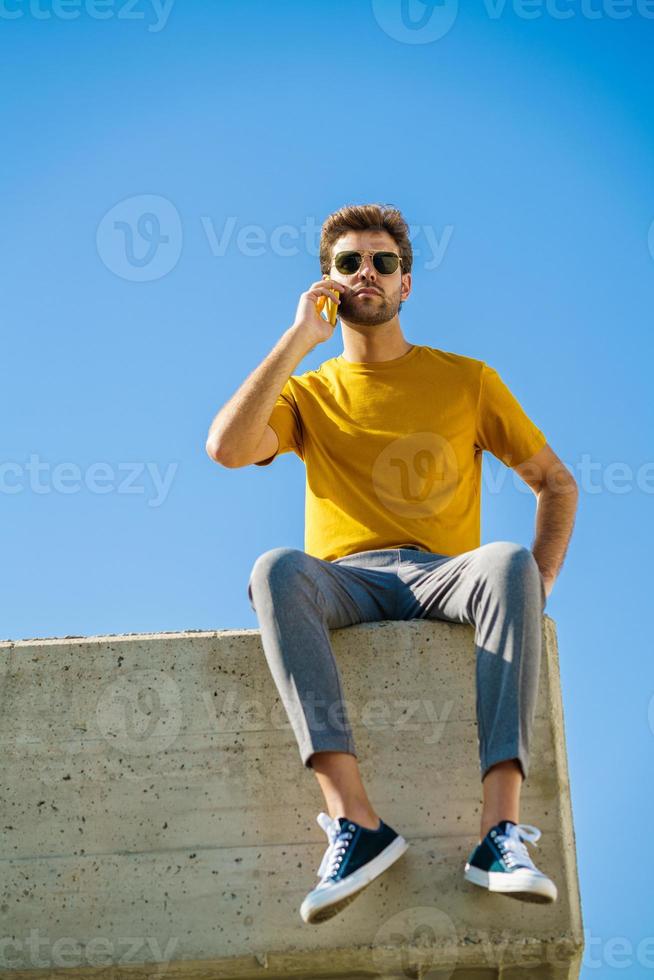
{"x": 513, "y": 561}
{"x": 274, "y": 565}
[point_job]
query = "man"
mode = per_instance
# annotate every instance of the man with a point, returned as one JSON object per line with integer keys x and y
{"x": 392, "y": 436}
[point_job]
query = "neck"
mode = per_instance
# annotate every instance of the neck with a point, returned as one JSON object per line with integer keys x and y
{"x": 382, "y": 342}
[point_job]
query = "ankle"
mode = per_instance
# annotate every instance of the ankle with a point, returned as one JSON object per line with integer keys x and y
{"x": 365, "y": 818}
{"x": 487, "y": 823}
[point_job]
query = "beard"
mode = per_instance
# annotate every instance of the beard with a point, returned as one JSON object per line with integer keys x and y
{"x": 367, "y": 311}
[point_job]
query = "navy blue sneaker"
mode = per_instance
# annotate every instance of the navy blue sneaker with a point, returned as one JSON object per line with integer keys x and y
{"x": 356, "y": 856}
{"x": 501, "y": 863}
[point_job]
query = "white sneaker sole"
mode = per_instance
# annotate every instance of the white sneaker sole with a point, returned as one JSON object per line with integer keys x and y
{"x": 323, "y": 903}
{"x": 521, "y": 883}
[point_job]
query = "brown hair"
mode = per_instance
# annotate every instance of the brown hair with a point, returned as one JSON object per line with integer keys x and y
{"x": 365, "y": 217}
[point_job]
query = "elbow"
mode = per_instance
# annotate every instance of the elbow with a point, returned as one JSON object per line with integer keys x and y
{"x": 216, "y": 454}
{"x": 570, "y": 485}
{"x": 558, "y": 478}
{"x": 562, "y": 484}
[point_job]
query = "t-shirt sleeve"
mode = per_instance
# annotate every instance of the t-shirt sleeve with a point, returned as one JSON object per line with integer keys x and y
{"x": 285, "y": 420}
{"x": 503, "y": 427}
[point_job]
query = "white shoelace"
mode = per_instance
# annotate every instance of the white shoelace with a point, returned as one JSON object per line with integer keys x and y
{"x": 334, "y": 853}
{"x": 511, "y": 844}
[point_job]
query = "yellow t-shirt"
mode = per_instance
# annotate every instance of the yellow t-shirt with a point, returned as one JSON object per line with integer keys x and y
{"x": 393, "y": 449}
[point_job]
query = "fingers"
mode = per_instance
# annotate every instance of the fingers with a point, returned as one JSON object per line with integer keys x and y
{"x": 332, "y": 284}
{"x": 319, "y": 290}
{"x": 326, "y": 289}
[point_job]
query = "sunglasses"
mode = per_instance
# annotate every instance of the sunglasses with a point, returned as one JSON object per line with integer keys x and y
{"x": 348, "y": 263}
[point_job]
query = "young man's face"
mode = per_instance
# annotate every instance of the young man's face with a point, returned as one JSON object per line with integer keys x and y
{"x": 388, "y": 291}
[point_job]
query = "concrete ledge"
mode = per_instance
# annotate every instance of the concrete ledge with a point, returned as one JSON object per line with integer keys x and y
{"x": 157, "y": 818}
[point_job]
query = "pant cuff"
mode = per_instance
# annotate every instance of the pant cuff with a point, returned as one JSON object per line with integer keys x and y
{"x": 332, "y": 744}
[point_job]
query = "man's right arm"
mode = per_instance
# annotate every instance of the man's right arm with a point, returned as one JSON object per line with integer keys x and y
{"x": 240, "y": 434}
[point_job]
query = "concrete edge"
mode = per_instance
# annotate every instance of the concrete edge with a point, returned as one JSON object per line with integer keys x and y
{"x": 558, "y": 728}
{"x": 562, "y": 954}
{"x": 169, "y": 634}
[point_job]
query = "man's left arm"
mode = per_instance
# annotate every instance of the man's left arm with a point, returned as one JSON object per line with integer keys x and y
{"x": 557, "y": 495}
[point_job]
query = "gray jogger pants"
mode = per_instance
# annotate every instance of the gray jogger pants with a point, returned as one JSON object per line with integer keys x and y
{"x": 498, "y": 588}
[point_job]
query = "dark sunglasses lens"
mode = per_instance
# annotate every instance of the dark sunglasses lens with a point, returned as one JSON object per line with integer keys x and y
{"x": 348, "y": 262}
{"x": 385, "y": 262}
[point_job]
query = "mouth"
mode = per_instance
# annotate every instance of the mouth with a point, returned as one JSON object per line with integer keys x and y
{"x": 368, "y": 292}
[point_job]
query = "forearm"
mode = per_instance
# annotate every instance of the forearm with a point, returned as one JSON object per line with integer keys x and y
{"x": 555, "y": 516}
{"x": 238, "y": 427}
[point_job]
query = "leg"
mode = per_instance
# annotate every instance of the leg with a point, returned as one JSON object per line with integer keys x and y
{"x": 298, "y": 599}
{"x": 502, "y": 785}
{"x": 498, "y": 589}
{"x": 340, "y": 781}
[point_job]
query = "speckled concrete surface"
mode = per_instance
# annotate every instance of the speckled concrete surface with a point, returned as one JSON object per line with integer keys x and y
{"x": 156, "y": 812}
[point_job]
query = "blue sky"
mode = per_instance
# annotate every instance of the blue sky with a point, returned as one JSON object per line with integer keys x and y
{"x": 516, "y": 139}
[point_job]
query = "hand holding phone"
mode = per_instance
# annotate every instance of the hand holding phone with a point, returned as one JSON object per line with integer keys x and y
{"x": 314, "y": 326}
{"x": 330, "y": 307}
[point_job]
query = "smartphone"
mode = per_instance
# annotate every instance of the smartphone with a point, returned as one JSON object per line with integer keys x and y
{"x": 330, "y": 307}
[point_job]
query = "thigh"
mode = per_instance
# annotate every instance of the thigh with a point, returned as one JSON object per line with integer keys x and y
{"x": 358, "y": 588}
{"x": 455, "y": 588}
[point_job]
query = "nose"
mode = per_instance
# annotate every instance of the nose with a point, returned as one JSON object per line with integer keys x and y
{"x": 366, "y": 271}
